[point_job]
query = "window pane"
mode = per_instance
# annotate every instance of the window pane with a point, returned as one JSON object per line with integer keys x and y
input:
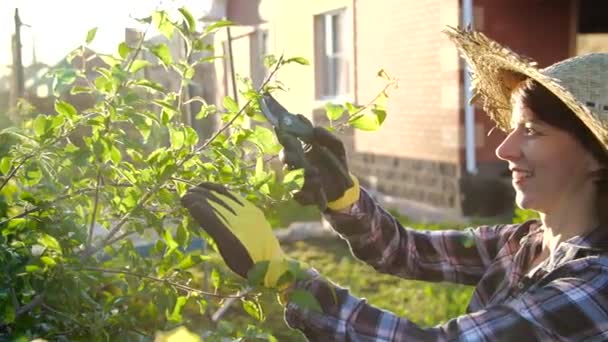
{"x": 336, "y": 37}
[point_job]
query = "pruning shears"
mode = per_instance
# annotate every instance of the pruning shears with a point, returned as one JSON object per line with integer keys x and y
{"x": 292, "y": 131}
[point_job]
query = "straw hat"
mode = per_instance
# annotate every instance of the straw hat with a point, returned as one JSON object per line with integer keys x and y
{"x": 580, "y": 82}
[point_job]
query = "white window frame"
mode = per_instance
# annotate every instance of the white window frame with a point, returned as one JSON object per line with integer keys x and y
{"x": 346, "y": 54}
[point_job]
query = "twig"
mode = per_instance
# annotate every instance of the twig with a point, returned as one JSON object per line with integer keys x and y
{"x": 118, "y": 238}
{"x": 44, "y": 205}
{"x": 40, "y": 148}
{"x": 15, "y": 169}
{"x": 62, "y": 314}
{"x": 229, "y": 123}
{"x": 95, "y": 203}
{"x": 227, "y": 304}
{"x": 38, "y": 299}
{"x": 160, "y": 280}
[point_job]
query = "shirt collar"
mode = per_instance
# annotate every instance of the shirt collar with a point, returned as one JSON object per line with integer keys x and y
{"x": 596, "y": 239}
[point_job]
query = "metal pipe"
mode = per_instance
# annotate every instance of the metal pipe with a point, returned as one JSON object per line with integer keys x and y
{"x": 469, "y": 110}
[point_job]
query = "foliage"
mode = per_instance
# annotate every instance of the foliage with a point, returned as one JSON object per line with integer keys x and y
{"x": 523, "y": 215}
{"x": 80, "y": 187}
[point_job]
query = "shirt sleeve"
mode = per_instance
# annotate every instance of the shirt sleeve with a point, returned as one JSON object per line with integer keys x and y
{"x": 569, "y": 308}
{"x": 378, "y": 239}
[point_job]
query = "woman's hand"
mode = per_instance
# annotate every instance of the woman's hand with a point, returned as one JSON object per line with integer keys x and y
{"x": 339, "y": 191}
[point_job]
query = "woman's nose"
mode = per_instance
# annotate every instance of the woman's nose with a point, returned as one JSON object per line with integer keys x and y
{"x": 510, "y": 148}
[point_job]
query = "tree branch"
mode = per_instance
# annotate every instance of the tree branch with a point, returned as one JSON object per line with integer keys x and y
{"x": 178, "y": 286}
{"x": 38, "y": 299}
{"x": 229, "y": 123}
{"x": 44, "y": 205}
{"x": 94, "y": 214}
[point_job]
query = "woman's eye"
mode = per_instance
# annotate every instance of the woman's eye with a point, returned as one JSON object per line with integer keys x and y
{"x": 530, "y": 131}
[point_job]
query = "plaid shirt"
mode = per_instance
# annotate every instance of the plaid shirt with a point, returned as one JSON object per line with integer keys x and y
{"x": 566, "y": 298}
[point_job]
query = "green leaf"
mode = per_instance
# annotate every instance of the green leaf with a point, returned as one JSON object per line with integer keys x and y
{"x": 163, "y": 53}
{"x": 91, "y": 35}
{"x": 115, "y": 155}
{"x": 191, "y": 138}
{"x": 171, "y": 244}
{"x": 265, "y": 139}
{"x": 149, "y": 84}
{"x": 176, "y": 314}
{"x": 8, "y": 314}
{"x": 230, "y": 104}
{"x": 305, "y": 300}
{"x": 188, "y": 19}
{"x": 49, "y": 242}
{"x": 270, "y": 60}
{"x": 123, "y": 50}
{"x": 191, "y": 260}
{"x": 352, "y": 108}
{"x": 48, "y": 261}
{"x": 138, "y": 64}
{"x": 216, "y": 278}
{"x": 41, "y": 125}
{"x": 368, "y": 121}
{"x": 33, "y": 268}
{"x": 206, "y": 110}
{"x": 333, "y": 111}
{"x": 380, "y": 114}
{"x": 294, "y": 176}
{"x": 66, "y": 109}
{"x": 182, "y": 235}
{"x": 5, "y": 165}
{"x": 253, "y": 308}
{"x": 79, "y": 90}
{"x": 299, "y": 60}
{"x": 177, "y": 138}
{"x": 382, "y": 74}
{"x": 217, "y": 25}
{"x": 160, "y": 19}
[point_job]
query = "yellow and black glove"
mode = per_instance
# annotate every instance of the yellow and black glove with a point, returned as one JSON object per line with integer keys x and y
{"x": 241, "y": 232}
{"x": 339, "y": 191}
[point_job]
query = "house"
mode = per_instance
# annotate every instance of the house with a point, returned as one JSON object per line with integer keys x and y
{"x": 419, "y": 161}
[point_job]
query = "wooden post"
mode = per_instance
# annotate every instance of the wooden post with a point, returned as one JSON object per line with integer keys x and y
{"x": 17, "y": 86}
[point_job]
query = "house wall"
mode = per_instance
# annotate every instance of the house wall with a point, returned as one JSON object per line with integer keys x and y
{"x": 418, "y": 154}
{"x": 415, "y": 155}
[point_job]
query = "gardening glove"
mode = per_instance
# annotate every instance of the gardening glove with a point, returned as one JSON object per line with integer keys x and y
{"x": 339, "y": 192}
{"x": 239, "y": 229}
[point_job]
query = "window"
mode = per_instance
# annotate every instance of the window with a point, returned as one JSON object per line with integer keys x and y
{"x": 331, "y": 58}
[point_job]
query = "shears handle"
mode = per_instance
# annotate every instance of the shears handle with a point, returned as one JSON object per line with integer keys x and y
{"x": 297, "y": 159}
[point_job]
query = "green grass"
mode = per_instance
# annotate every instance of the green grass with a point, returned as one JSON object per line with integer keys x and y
{"x": 290, "y": 211}
{"x": 426, "y": 304}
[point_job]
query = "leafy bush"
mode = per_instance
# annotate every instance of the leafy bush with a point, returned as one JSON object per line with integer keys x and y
{"x": 119, "y": 168}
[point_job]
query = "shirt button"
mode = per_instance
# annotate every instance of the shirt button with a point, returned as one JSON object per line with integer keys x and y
{"x": 520, "y": 285}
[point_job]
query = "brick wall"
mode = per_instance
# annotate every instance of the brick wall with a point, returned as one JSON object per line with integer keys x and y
{"x": 415, "y": 155}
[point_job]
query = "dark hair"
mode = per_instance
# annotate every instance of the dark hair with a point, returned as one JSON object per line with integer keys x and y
{"x": 550, "y": 109}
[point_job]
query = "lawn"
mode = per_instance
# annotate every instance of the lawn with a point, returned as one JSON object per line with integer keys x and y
{"x": 426, "y": 304}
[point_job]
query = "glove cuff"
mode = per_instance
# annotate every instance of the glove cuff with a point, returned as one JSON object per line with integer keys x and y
{"x": 350, "y": 196}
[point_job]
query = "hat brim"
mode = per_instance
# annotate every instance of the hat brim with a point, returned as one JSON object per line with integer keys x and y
{"x": 495, "y": 72}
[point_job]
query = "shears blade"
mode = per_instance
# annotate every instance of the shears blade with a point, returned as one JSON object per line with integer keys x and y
{"x": 272, "y": 109}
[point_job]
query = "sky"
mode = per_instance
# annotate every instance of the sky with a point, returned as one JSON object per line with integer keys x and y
{"x": 59, "y": 26}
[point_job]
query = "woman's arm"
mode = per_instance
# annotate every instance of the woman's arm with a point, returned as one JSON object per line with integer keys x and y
{"x": 571, "y": 308}
{"x": 378, "y": 239}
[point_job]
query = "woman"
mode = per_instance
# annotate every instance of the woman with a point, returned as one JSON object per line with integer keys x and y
{"x": 545, "y": 279}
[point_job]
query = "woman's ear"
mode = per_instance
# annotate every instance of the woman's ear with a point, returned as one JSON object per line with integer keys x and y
{"x": 597, "y": 169}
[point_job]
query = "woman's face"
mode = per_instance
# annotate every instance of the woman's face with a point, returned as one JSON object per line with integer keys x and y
{"x": 548, "y": 165}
